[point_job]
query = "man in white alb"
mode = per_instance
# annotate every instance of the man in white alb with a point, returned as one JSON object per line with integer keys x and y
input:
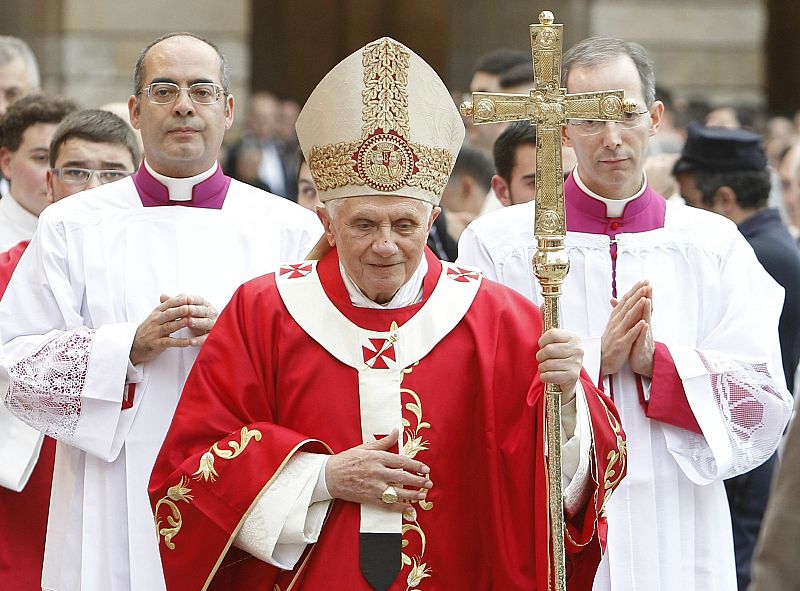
{"x": 679, "y": 324}
{"x": 111, "y": 335}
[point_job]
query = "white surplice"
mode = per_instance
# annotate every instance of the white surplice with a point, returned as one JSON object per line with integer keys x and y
{"x": 16, "y": 223}
{"x": 91, "y": 275}
{"x": 716, "y": 310}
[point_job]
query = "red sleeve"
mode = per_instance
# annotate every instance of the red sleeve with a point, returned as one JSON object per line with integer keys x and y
{"x": 8, "y": 262}
{"x": 222, "y": 449}
{"x": 668, "y": 403}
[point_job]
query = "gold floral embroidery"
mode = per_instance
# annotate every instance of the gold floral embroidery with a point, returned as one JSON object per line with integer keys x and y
{"x": 206, "y": 471}
{"x": 414, "y": 444}
{"x": 617, "y": 460}
{"x": 177, "y": 493}
{"x": 384, "y": 158}
{"x": 332, "y": 166}
{"x": 433, "y": 168}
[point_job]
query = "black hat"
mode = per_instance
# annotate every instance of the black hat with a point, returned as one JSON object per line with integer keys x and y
{"x": 719, "y": 148}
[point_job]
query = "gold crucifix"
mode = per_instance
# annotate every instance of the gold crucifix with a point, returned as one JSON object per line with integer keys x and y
{"x": 549, "y": 107}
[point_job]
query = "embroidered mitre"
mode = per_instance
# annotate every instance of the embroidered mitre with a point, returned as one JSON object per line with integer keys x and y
{"x": 381, "y": 123}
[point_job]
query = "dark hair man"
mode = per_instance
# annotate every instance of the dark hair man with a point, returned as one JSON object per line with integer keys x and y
{"x": 662, "y": 296}
{"x": 486, "y": 78}
{"x": 113, "y": 153}
{"x": 25, "y": 134}
{"x": 129, "y": 277}
{"x": 724, "y": 170}
{"x": 90, "y": 148}
{"x": 515, "y": 164}
{"x": 464, "y": 195}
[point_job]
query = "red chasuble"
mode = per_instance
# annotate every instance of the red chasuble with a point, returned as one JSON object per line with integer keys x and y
{"x": 262, "y": 389}
{"x": 23, "y": 515}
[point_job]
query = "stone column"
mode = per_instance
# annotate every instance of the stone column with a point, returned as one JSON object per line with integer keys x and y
{"x": 87, "y": 49}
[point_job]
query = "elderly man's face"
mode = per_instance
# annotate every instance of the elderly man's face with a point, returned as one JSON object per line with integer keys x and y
{"x": 183, "y": 138}
{"x": 380, "y": 240}
{"x": 15, "y": 82}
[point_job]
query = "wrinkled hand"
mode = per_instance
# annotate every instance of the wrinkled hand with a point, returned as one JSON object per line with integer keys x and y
{"x": 560, "y": 358}
{"x": 628, "y": 336}
{"x": 174, "y": 313}
{"x": 361, "y": 474}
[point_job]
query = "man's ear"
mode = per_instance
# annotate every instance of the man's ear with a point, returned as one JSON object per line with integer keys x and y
{"x": 325, "y": 218}
{"x": 725, "y": 201}
{"x": 501, "y": 190}
{"x": 229, "y": 111}
{"x": 434, "y": 214}
{"x": 565, "y": 141}
{"x": 49, "y": 182}
{"x": 133, "y": 111}
{"x": 5, "y": 162}
{"x": 656, "y": 116}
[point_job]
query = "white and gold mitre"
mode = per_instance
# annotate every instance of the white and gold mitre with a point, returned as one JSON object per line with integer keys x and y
{"x": 380, "y": 123}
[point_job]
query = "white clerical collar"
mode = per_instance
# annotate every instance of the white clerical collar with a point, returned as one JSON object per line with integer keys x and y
{"x": 409, "y": 293}
{"x": 18, "y": 214}
{"x": 181, "y": 189}
{"x": 614, "y": 207}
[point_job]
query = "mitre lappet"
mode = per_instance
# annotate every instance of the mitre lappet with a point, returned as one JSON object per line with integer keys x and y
{"x": 381, "y": 122}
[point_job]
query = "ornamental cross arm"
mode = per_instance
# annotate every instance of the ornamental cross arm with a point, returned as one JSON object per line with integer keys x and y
{"x": 547, "y": 108}
{"x": 548, "y": 103}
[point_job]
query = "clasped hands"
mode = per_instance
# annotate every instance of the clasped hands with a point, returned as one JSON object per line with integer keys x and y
{"x": 154, "y": 335}
{"x": 628, "y": 335}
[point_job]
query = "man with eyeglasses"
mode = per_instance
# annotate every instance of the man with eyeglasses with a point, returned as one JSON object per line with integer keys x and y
{"x": 90, "y": 148}
{"x": 697, "y": 376}
{"x": 130, "y": 275}
{"x": 88, "y": 138}
{"x": 25, "y": 135}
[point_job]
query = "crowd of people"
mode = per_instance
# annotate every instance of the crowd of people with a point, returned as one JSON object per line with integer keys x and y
{"x": 312, "y": 357}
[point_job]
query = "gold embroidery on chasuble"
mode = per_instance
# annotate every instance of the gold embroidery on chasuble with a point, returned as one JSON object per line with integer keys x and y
{"x": 414, "y": 443}
{"x": 384, "y": 158}
{"x": 206, "y": 471}
{"x": 617, "y": 459}
{"x": 615, "y": 469}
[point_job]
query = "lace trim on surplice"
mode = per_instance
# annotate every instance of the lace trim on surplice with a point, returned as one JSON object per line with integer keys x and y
{"x": 749, "y": 401}
{"x": 46, "y": 386}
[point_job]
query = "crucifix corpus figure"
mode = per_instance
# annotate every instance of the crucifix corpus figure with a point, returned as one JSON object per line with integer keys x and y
{"x": 548, "y": 106}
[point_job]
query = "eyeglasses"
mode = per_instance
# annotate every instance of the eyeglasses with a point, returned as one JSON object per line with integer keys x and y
{"x": 81, "y": 176}
{"x": 629, "y": 121}
{"x": 201, "y": 93}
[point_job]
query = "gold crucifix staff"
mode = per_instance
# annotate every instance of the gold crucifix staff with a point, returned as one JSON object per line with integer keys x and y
{"x": 549, "y": 107}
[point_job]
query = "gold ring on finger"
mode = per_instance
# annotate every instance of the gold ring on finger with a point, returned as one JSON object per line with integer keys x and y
{"x": 389, "y": 496}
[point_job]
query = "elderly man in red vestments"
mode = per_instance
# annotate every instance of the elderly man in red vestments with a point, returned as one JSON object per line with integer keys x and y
{"x": 332, "y": 395}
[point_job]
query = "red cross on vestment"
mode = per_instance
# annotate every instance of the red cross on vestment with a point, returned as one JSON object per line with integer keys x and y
{"x": 382, "y": 349}
{"x": 462, "y": 275}
{"x": 296, "y": 270}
